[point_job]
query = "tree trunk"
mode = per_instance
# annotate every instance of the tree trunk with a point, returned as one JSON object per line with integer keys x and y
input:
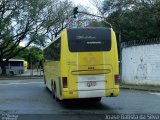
{"x": 3, "y": 67}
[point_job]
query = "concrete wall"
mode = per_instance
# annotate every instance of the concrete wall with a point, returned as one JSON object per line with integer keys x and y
{"x": 141, "y": 64}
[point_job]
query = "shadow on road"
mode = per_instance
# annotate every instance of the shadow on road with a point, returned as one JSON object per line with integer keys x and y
{"x": 82, "y": 104}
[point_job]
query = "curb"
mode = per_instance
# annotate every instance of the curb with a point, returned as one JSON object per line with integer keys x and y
{"x": 142, "y": 88}
{"x": 21, "y": 78}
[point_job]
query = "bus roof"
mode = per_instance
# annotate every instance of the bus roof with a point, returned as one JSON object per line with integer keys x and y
{"x": 52, "y": 41}
{"x": 89, "y": 28}
{"x": 85, "y": 28}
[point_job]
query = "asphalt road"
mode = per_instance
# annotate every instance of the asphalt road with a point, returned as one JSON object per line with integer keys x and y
{"x": 29, "y": 99}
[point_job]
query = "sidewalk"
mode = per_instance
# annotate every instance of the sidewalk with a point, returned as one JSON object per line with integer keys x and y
{"x": 141, "y": 87}
{"x": 20, "y": 77}
{"x": 33, "y": 72}
{"x": 27, "y": 75}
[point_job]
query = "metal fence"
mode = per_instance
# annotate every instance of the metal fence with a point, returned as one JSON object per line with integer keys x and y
{"x": 140, "y": 42}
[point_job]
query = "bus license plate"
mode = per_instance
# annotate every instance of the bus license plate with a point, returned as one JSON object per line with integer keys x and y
{"x": 91, "y": 83}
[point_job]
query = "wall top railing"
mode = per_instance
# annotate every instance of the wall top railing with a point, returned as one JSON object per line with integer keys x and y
{"x": 140, "y": 42}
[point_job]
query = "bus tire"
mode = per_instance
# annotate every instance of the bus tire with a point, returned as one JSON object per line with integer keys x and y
{"x": 52, "y": 86}
{"x": 55, "y": 93}
{"x": 44, "y": 80}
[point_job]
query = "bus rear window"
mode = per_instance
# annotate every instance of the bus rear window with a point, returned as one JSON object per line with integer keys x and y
{"x": 15, "y": 63}
{"x": 89, "y": 39}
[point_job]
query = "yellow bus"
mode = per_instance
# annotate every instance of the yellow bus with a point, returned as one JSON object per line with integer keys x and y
{"x": 82, "y": 63}
{"x": 25, "y": 66}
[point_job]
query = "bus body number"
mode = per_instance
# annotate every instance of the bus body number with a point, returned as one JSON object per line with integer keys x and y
{"x": 91, "y": 83}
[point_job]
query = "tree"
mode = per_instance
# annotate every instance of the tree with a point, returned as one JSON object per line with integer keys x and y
{"x": 33, "y": 54}
{"x": 62, "y": 11}
{"x": 98, "y": 4}
{"x": 95, "y": 24}
{"x": 134, "y": 19}
{"x": 28, "y": 21}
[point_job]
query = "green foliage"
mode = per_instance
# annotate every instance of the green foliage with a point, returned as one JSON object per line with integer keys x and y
{"x": 29, "y": 22}
{"x": 33, "y": 54}
{"x": 134, "y": 19}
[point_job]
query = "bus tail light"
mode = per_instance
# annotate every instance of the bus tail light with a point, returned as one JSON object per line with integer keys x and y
{"x": 117, "y": 79}
{"x": 65, "y": 84}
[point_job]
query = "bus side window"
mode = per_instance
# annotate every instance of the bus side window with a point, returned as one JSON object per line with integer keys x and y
{"x": 53, "y": 51}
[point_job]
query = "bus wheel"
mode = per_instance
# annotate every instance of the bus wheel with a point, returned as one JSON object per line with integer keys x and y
{"x": 44, "y": 80}
{"x": 52, "y": 86}
{"x": 55, "y": 93}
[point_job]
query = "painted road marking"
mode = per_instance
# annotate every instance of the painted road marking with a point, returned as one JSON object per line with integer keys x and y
{"x": 21, "y": 83}
{"x": 154, "y": 93}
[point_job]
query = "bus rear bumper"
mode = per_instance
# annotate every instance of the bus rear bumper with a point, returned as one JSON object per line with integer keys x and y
{"x": 90, "y": 93}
